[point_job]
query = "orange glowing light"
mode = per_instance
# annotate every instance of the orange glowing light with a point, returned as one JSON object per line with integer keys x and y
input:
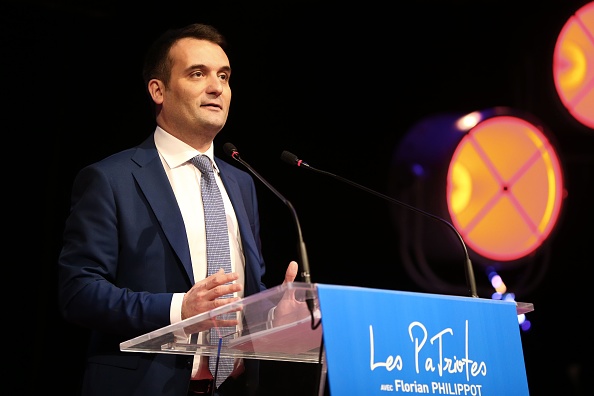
{"x": 504, "y": 188}
{"x": 573, "y": 65}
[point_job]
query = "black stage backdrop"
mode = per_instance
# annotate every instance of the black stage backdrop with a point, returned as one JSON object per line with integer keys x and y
{"x": 338, "y": 85}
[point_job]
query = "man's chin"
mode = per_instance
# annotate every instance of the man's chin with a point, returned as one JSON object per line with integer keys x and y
{"x": 213, "y": 124}
{"x": 208, "y": 128}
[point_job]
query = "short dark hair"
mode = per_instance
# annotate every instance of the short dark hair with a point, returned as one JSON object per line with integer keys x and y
{"x": 157, "y": 63}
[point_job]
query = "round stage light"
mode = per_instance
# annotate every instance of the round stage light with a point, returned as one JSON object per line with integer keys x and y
{"x": 504, "y": 188}
{"x": 573, "y": 65}
{"x": 495, "y": 176}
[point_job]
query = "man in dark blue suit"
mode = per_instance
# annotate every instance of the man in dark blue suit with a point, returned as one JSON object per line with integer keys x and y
{"x": 134, "y": 257}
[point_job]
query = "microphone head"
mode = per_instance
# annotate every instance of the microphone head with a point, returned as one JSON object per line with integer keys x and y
{"x": 231, "y": 150}
{"x": 289, "y": 158}
{"x": 294, "y": 160}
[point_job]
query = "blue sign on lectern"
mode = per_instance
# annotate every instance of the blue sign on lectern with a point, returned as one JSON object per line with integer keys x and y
{"x": 381, "y": 342}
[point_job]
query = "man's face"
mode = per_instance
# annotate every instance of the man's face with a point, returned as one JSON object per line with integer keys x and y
{"x": 198, "y": 95}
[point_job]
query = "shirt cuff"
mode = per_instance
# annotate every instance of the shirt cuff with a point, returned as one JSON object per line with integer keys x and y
{"x": 175, "y": 308}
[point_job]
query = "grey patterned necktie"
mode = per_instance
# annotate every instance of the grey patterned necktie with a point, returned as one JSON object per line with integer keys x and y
{"x": 218, "y": 254}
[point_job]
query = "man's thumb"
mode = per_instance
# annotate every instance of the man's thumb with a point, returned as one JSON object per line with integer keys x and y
{"x": 291, "y": 273}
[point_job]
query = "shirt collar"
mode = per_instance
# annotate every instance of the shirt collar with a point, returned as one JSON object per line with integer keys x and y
{"x": 175, "y": 152}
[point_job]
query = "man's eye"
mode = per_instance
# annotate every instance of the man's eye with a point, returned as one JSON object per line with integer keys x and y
{"x": 197, "y": 74}
{"x": 224, "y": 76}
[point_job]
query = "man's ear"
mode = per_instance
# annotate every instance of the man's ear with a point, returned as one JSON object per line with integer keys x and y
{"x": 155, "y": 89}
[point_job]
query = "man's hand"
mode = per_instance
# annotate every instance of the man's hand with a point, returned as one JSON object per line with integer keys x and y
{"x": 204, "y": 295}
{"x": 289, "y": 309}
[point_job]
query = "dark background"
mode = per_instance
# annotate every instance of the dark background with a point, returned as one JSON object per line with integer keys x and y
{"x": 339, "y": 85}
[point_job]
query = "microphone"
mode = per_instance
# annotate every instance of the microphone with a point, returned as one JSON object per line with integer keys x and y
{"x": 231, "y": 150}
{"x": 292, "y": 159}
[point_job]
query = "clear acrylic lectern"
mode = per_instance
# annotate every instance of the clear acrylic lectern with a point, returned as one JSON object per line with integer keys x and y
{"x": 275, "y": 324}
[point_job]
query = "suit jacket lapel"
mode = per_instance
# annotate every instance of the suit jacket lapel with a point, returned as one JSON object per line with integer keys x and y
{"x": 153, "y": 182}
{"x": 240, "y": 212}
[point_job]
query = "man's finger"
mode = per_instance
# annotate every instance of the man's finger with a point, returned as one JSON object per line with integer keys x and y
{"x": 291, "y": 272}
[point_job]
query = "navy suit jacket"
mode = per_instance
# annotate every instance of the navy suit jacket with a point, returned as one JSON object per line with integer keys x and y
{"x": 125, "y": 253}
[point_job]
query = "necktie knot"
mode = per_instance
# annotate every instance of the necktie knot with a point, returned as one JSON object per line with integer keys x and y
{"x": 203, "y": 163}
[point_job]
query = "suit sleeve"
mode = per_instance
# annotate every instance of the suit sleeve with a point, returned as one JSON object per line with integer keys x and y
{"x": 105, "y": 273}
